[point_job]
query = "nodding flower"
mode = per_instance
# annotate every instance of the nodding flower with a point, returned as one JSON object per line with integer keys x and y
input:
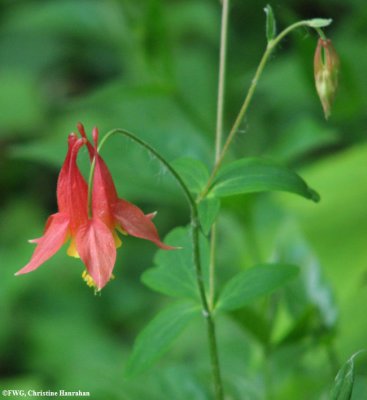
{"x": 92, "y": 232}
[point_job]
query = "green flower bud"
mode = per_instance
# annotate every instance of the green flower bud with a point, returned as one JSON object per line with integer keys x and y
{"x": 326, "y": 69}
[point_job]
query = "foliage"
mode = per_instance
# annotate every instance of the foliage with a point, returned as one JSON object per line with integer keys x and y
{"x": 151, "y": 67}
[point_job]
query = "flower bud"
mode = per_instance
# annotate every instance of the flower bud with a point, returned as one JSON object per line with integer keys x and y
{"x": 326, "y": 69}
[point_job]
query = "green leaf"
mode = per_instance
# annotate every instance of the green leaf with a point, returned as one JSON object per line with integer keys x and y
{"x": 344, "y": 380}
{"x": 319, "y": 22}
{"x": 155, "y": 339}
{"x": 194, "y": 173}
{"x": 253, "y": 283}
{"x": 250, "y": 175}
{"x": 208, "y": 211}
{"x": 270, "y": 23}
{"x": 175, "y": 273}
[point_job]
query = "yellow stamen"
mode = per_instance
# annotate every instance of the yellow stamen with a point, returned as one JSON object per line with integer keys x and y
{"x": 88, "y": 279}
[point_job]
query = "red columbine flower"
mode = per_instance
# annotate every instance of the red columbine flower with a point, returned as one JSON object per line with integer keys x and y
{"x": 72, "y": 193}
{"x": 326, "y": 69}
{"x": 97, "y": 240}
{"x": 93, "y": 237}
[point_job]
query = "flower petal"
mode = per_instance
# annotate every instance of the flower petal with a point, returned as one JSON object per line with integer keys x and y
{"x": 53, "y": 238}
{"x": 104, "y": 191}
{"x": 72, "y": 189}
{"x": 96, "y": 247}
{"x": 136, "y": 223}
{"x": 62, "y": 182}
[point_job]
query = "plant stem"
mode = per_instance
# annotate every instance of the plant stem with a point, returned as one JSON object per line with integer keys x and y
{"x": 152, "y": 151}
{"x": 213, "y": 242}
{"x": 221, "y": 78}
{"x": 269, "y": 48}
{"x": 218, "y": 136}
{"x": 321, "y": 33}
{"x": 207, "y": 313}
{"x": 195, "y": 226}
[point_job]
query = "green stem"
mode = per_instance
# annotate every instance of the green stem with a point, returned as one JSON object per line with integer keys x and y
{"x": 218, "y": 136}
{"x": 213, "y": 242}
{"x": 321, "y": 33}
{"x": 269, "y": 48}
{"x": 152, "y": 151}
{"x": 221, "y": 78}
{"x": 207, "y": 313}
{"x": 195, "y": 226}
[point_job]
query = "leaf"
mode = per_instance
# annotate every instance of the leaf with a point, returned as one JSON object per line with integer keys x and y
{"x": 344, "y": 380}
{"x": 194, "y": 173}
{"x": 253, "y": 283}
{"x": 208, "y": 211}
{"x": 175, "y": 273}
{"x": 270, "y": 23}
{"x": 250, "y": 175}
{"x": 319, "y": 22}
{"x": 155, "y": 339}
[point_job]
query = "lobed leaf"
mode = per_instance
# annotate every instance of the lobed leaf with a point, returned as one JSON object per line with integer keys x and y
{"x": 175, "y": 274}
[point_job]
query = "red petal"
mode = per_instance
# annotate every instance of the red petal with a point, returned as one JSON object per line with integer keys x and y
{"x": 136, "y": 223}
{"x": 64, "y": 173}
{"x": 104, "y": 192}
{"x": 96, "y": 247}
{"x": 54, "y": 237}
{"x": 72, "y": 189}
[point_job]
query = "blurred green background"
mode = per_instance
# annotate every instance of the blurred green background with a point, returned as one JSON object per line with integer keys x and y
{"x": 150, "y": 66}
